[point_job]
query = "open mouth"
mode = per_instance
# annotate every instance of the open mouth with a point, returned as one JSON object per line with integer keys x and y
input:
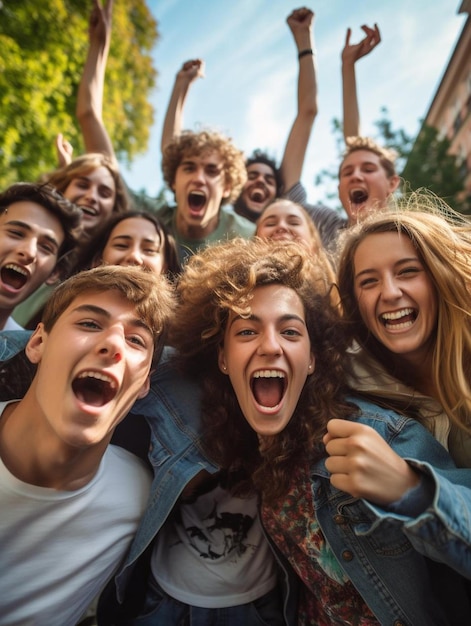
{"x": 14, "y": 276}
{"x": 196, "y": 201}
{"x": 358, "y": 196}
{"x": 88, "y": 211}
{"x": 399, "y": 319}
{"x": 268, "y": 387}
{"x": 94, "y": 388}
{"x": 257, "y": 195}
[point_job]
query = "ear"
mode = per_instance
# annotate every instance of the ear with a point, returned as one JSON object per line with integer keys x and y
{"x": 222, "y": 360}
{"x": 227, "y": 192}
{"x": 35, "y": 346}
{"x": 394, "y": 183}
{"x": 311, "y": 365}
{"x": 144, "y": 389}
{"x": 54, "y": 277}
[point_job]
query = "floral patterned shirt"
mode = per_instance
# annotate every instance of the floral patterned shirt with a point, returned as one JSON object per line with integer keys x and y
{"x": 327, "y": 596}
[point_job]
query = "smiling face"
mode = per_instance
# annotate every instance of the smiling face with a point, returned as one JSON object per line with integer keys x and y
{"x": 93, "y": 364}
{"x": 95, "y": 193}
{"x": 268, "y": 358}
{"x": 285, "y": 221}
{"x": 135, "y": 241}
{"x": 364, "y": 184}
{"x": 260, "y": 188}
{"x": 30, "y": 239}
{"x": 395, "y": 295}
{"x": 199, "y": 188}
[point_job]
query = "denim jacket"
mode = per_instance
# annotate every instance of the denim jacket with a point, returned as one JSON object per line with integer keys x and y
{"x": 381, "y": 551}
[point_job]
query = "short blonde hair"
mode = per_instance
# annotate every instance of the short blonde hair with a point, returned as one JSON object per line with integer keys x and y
{"x": 387, "y": 157}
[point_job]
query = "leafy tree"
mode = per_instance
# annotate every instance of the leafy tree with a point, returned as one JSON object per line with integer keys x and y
{"x": 422, "y": 163}
{"x": 44, "y": 44}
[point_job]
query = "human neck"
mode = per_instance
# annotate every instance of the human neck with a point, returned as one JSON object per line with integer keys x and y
{"x": 416, "y": 373}
{"x": 195, "y": 232}
{"x": 34, "y": 455}
{"x": 4, "y": 315}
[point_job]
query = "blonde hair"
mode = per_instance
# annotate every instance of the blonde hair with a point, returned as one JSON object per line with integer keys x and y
{"x": 442, "y": 239}
{"x": 317, "y": 247}
{"x": 84, "y": 164}
{"x": 387, "y": 157}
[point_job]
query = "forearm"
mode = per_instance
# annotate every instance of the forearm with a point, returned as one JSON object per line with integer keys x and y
{"x": 298, "y": 138}
{"x": 89, "y": 108}
{"x": 173, "y": 122}
{"x": 351, "y": 114}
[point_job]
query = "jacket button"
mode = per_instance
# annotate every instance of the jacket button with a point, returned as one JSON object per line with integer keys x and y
{"x": 339, "y": 519}
{"x": 347, "y": 555}
{"x": 398, "y": 622}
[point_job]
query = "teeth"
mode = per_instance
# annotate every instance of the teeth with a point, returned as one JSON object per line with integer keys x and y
{"x": 268, "y": 374}
{"x": 98, "y": 376}
{"x": 396, "y": 314}
{"x": 197, "y": 193}
{"x": 16, "y": 268}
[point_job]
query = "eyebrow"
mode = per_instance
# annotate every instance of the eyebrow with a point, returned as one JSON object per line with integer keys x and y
{"x": 27, "y": 227}
{"x": 368, "y": 270}
{"x": 97, "y": 310}
{"x": 130, "y": 238}
{"x": 287, "y": 317}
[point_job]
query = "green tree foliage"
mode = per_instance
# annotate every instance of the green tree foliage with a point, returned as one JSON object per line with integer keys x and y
{"x": 422, "y": 163}
{"x": 44, "y": 44}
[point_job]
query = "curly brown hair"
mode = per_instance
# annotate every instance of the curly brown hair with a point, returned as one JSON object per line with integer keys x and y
{"x": 190, "y": 143}
{"x": 222, "y": 279}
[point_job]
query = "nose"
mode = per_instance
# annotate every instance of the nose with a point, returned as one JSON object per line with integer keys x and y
{"x": 281, "y": 227}
{"x": 269, "y": 343}
{"x": 27, "y": 249}
{"x": 91, "y": 195}
{"x": 357, "y": 173}
{"x": 390, "y": 288}
{"x": 111, "y": 345}
{"x": 198, "y": 175}
{"x": 133, "y": 257}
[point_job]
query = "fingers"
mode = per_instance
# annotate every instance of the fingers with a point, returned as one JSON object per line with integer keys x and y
{"x": 347, "y": 38}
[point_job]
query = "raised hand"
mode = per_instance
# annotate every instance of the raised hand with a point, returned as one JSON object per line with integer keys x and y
{"x": 191, "y": 70}
{"x": 64, "y": 150}
{"x": 354, "y": 51}
{"x": 99, "y": 25}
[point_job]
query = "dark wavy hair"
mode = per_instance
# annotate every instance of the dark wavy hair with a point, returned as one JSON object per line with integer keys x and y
{"x": 222, "y": 279}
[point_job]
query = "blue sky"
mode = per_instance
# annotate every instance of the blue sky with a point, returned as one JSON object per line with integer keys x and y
{"x": 249, "y": 91}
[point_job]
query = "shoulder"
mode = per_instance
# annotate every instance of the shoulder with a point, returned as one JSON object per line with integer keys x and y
{"x": 126, "y": 468}
{"x": 232, "y": 224}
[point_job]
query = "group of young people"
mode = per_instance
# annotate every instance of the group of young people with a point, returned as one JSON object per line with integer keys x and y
{"x": 271, "y": 423}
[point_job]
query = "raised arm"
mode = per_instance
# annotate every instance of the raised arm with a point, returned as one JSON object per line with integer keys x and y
{"x": 189, "y": 72}
{"x": 89, "y": 108}
{"x": 300, "y": 22}
{"x": 350, "y": 55}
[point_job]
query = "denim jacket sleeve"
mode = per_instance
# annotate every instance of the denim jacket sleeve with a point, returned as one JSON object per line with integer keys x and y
{"x": 443, "y": 531}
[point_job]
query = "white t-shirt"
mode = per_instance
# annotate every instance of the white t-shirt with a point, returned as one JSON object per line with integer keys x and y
{"x": 212, "y": 553}
{"x": 59, "y": 548}
{"x": 10, "y": 324}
